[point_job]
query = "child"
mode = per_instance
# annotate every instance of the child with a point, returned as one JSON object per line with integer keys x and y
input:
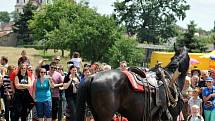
{"x": 195, "y": 115}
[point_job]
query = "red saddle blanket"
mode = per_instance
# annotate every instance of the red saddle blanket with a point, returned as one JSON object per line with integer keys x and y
{"x": 136, "y": 86}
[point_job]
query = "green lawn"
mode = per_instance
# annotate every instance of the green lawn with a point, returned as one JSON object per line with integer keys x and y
{"x": 34, "y": 55}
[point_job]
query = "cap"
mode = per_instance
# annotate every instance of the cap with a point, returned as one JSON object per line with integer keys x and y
{"x": 209, "y": 79}
{"x": 195, "y": 69}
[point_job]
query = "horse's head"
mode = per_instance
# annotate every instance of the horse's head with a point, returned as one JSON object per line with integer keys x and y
{"x": 179, "y": 65}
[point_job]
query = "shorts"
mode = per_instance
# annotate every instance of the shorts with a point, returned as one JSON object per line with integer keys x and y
{"x": 44, "y": 109}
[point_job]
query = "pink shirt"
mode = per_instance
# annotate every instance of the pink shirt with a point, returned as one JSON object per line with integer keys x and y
{"x": 57, "y": 79}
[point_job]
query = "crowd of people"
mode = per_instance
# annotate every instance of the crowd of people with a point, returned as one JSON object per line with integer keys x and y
{"x": 47, "y": 91}
{"x": 44, "y": 91}
{"x": 199, "y": 96}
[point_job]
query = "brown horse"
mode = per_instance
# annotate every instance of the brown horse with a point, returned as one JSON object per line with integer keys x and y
{"x": 109, "y": 92}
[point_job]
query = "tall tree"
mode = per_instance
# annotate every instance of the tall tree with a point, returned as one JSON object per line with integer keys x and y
{"x": 21, "y": 25}
{"x": 58, "y": 38}
{"x": 191, "y": 39}
{"x": 4, "y": 17}
{"x": 67, "y": 24}
{"x": 214, "y": 27}
{"x": 151, "y": 20}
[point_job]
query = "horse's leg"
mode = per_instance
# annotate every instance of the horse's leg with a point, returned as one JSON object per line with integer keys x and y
{"x": 103, "y": 106}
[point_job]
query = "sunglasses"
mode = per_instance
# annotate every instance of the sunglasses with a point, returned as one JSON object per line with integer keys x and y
{"x": 42, "y": 72}
{"x": 53, "y": 68}
{"x": 23, "y": 68}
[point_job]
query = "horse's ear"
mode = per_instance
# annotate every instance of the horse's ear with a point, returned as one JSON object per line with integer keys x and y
{"x": 176, "y": 49}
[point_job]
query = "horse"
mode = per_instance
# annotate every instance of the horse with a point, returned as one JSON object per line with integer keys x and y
{"x": 109, "y": 92}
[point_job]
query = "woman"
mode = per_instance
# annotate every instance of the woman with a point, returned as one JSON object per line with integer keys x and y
{"x": 71, "y": 83}
{"x": 186, "y": 95}
{"x": 208, "y": 94}
{"x": 194, "y": 81}
{"x": 43, "y": 97}
{"x": 195, "y": 100}
{"x": 23, "y": 102}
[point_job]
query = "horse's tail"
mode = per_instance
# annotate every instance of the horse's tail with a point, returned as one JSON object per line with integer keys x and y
{"x": 83, "y": 96}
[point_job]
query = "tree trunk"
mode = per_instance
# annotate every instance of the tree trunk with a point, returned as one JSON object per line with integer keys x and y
{"x": 62, "y": 52}
{"x": 70, "y": 53}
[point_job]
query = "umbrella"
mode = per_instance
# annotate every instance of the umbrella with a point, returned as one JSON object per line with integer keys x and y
{"x": 212, "y": 57}
{"x": 193, "y": 61}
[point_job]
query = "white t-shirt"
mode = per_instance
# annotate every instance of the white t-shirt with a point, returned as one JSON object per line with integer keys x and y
{"x": 76, "y": 61}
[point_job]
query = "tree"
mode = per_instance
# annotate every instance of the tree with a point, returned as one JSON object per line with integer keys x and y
{"x": 78, "y": 27}
{"x": 151, "y": 20}
{"x": 4, "y": 17}
{"x": 21, "y": 25}
{"x": 58, "y": 37}
{"x": 191, "y": 39}
{"x": 214, "y": 27}
{"x": 125, "y": 49}
{"x": 14, "y": 16}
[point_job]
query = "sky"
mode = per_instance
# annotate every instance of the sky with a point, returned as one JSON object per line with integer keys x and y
{"x": 201, "y": 11}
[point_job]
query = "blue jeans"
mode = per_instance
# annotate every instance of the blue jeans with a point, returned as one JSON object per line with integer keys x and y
{"x": 72, "y": 105}
{"x": 44, "y": 109}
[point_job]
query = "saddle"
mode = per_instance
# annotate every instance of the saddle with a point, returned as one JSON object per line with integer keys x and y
{"x": 152, "y": 83}
{"x": 147, "y": 81}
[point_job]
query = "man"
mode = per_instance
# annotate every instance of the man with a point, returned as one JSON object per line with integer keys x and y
{"x": 208, "y": 95}
{"x": 56, "y": 59}
{"x": 23, "y": 59}
{"x": 57, "y": 79}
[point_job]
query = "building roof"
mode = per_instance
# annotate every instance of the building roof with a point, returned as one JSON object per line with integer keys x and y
{"x": 6, "y": 27}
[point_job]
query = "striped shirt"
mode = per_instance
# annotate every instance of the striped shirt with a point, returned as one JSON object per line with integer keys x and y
{"x": 7, "y": 86}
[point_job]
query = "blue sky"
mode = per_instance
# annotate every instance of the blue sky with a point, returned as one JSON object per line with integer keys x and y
{"x": 202, "y": 11}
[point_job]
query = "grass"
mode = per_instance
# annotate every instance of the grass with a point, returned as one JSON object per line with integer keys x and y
{"x": 34, "y": 55}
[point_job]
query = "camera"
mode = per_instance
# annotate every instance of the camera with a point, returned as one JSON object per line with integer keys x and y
{"x": 209, "y": 103}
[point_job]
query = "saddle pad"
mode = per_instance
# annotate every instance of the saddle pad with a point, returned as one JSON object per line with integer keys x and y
{"x": 135, "y": 85}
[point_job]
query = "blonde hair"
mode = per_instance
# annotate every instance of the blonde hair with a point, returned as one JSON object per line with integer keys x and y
{"x": 196, "y": 106}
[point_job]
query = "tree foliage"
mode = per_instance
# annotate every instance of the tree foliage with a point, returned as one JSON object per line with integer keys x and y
{"x": 151, "y": 20}
{"x": 125, "y": 49}
{"x": 191, "y": 39}
{"x": 66, "y": 24}
{"x": 4, "y": 17}
{"x": 21, "y": 25}
{"x": 14, "y": 16}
